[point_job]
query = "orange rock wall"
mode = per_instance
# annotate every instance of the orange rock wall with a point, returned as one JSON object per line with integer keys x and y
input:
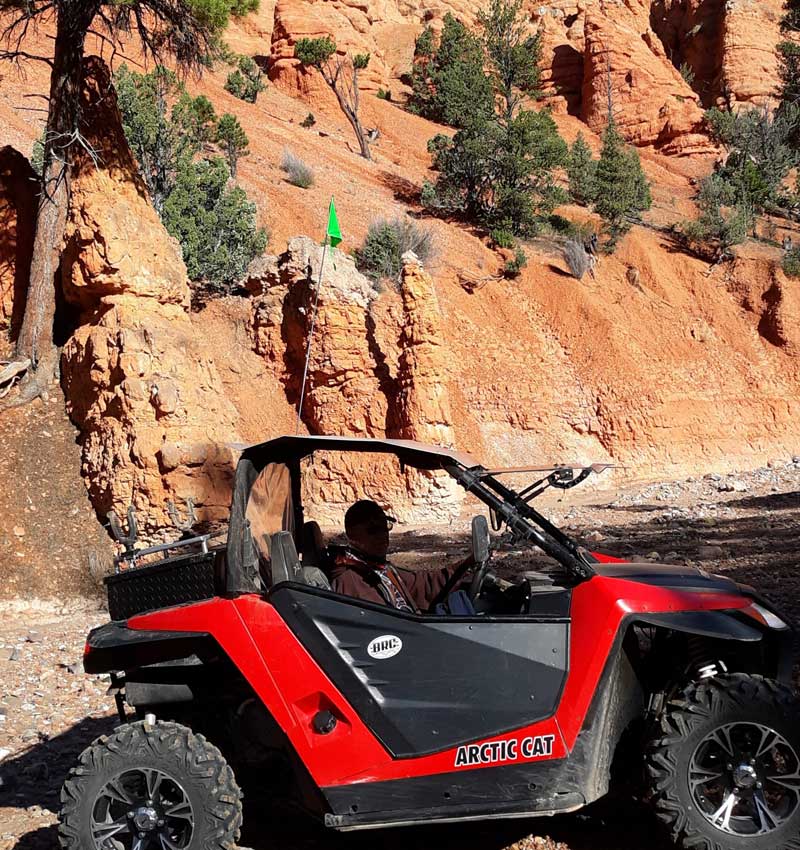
{"x": 154, "y": 421}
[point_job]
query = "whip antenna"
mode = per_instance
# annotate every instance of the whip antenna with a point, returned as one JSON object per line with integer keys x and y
{"x": 333, "y": 236}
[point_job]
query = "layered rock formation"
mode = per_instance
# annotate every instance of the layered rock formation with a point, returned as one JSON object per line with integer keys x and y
{"x": 650, "y": 101}
{"x": 366, "y": 377}
{"x": 726, "y": 48}
{"x": 154, "y": 422}
{"x": 18, "y": 198}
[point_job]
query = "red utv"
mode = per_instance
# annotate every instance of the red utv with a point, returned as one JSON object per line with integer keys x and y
{"x": 375, "y": 717}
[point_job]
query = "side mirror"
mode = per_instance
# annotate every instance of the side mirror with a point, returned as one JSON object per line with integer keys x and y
{"x": 480, "y": 539}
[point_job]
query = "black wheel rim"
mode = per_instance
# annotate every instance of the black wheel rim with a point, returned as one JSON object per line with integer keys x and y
{"x": 142, "y": 809}
{"x": 745, "y": 779}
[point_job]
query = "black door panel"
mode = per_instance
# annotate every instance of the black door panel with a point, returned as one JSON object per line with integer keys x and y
{"x": 430, "y": 684}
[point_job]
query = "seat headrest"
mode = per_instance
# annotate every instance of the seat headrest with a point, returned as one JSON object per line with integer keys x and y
{"x": 285, "y": 562}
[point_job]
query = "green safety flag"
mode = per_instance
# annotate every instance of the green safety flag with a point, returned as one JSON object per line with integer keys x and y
{"x": 333, "y": 232}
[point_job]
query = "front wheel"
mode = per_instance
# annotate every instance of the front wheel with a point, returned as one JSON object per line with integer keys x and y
{"x": 724, "y": 767}
{"x": 150, "y": 787}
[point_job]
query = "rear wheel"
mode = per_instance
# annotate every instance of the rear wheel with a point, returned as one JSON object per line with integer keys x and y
{"x": 150, "y": 787}
{"x": 724, "y": 768}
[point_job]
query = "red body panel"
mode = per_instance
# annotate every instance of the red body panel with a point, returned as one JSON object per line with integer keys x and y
{"x": 293, "y": 687}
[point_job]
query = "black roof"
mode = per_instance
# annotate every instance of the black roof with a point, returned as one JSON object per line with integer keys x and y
{"x": 409, "y": 452}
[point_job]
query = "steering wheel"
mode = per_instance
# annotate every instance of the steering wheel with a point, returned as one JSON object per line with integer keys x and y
{"x": 481, "y": 555}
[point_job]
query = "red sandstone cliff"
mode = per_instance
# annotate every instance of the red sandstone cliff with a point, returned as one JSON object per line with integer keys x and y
{"x": 685, "y": 371}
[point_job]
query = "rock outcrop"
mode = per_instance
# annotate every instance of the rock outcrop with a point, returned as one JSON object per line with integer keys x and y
{"x": 651, "y": 103}
{"x": 154, "y": 422}
{"x": 749, "y": 63}
{"x": 381, "y": 29}
{"x": 423, "y": 402}
{"x": 18, "y": 198}
{"x": 366, "y": 377}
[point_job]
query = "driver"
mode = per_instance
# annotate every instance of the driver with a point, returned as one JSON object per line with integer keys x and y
{"x": 360, "y": 569}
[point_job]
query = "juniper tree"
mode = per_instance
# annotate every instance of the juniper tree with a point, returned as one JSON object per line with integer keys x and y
{"x": 233, "y": 140}
{"x": 214, "y": 222}
{"x": 761, "y": 152}
{"x": 582, "y": 171}
{"x": 499, "y": 170}
{"x": 246, "y": 81}
{"x": 789, "y": 55}
{"x": 161, "y": 136}
{"x": 186, "y": 30}
{"x": 449, "y": 84}
{"x": 622, "y": 190}
{"x": 723, "y": 221}
{"x": 341, "y": 74}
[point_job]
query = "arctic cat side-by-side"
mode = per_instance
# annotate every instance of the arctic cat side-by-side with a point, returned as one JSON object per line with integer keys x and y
{"x": 238, "y": 667}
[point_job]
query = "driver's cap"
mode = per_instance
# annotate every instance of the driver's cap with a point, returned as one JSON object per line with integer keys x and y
{"x": 364, "y": 512}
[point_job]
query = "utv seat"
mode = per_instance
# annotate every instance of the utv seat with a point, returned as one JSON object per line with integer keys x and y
{"x": 312, "y": 545}
{"x": 286, "y": 564}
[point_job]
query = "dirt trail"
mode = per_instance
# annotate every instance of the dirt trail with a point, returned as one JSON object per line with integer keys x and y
{"x": 745, "y": 525}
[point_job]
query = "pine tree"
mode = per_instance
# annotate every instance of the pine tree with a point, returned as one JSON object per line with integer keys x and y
{"x": 582, "y": 172}
{"x": 449, "y": 84}
{"x": 623, "y": 192}
{"x": 233, "y": 140}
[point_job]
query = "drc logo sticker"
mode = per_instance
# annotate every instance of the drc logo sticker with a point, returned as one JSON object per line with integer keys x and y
{"x": 385, "y": 646}
{"x": 511, "y": 749}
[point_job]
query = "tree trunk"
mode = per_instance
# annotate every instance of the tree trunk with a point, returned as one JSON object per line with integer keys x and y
{"x": 35, "y": 339}
{"x": 351, "y": 111}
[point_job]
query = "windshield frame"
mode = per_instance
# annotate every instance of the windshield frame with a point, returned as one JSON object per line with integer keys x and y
{"x": 522, "y": 519}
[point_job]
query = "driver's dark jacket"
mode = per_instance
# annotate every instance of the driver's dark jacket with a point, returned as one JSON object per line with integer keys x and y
{"x": 355, "y": 574}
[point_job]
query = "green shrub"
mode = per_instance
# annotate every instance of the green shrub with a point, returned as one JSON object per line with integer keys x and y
{"x": 214, "y": 223}
{"x": 498, "y": 169}
{"x": 383, "y": 94}
{"x": 721, "y": 223}
{"x": 687, "y": 73}
{"x": 246, "y": 82}
{"x": 500, "y": 175}
{"x": 502, "y": 238}
{"x": 380, "y": 255}
{"x": 514, "y": 267}
{"x": 297, "y": 172}
{"x": 243, "y": 7}
{"x": 791, "y": 263}
{"x": 309, "y": 121}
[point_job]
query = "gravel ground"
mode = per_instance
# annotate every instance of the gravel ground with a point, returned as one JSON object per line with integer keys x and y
{"x": 746, "y": 525}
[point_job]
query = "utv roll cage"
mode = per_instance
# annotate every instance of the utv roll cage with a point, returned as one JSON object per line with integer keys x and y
{"x": 507, "y": 506}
